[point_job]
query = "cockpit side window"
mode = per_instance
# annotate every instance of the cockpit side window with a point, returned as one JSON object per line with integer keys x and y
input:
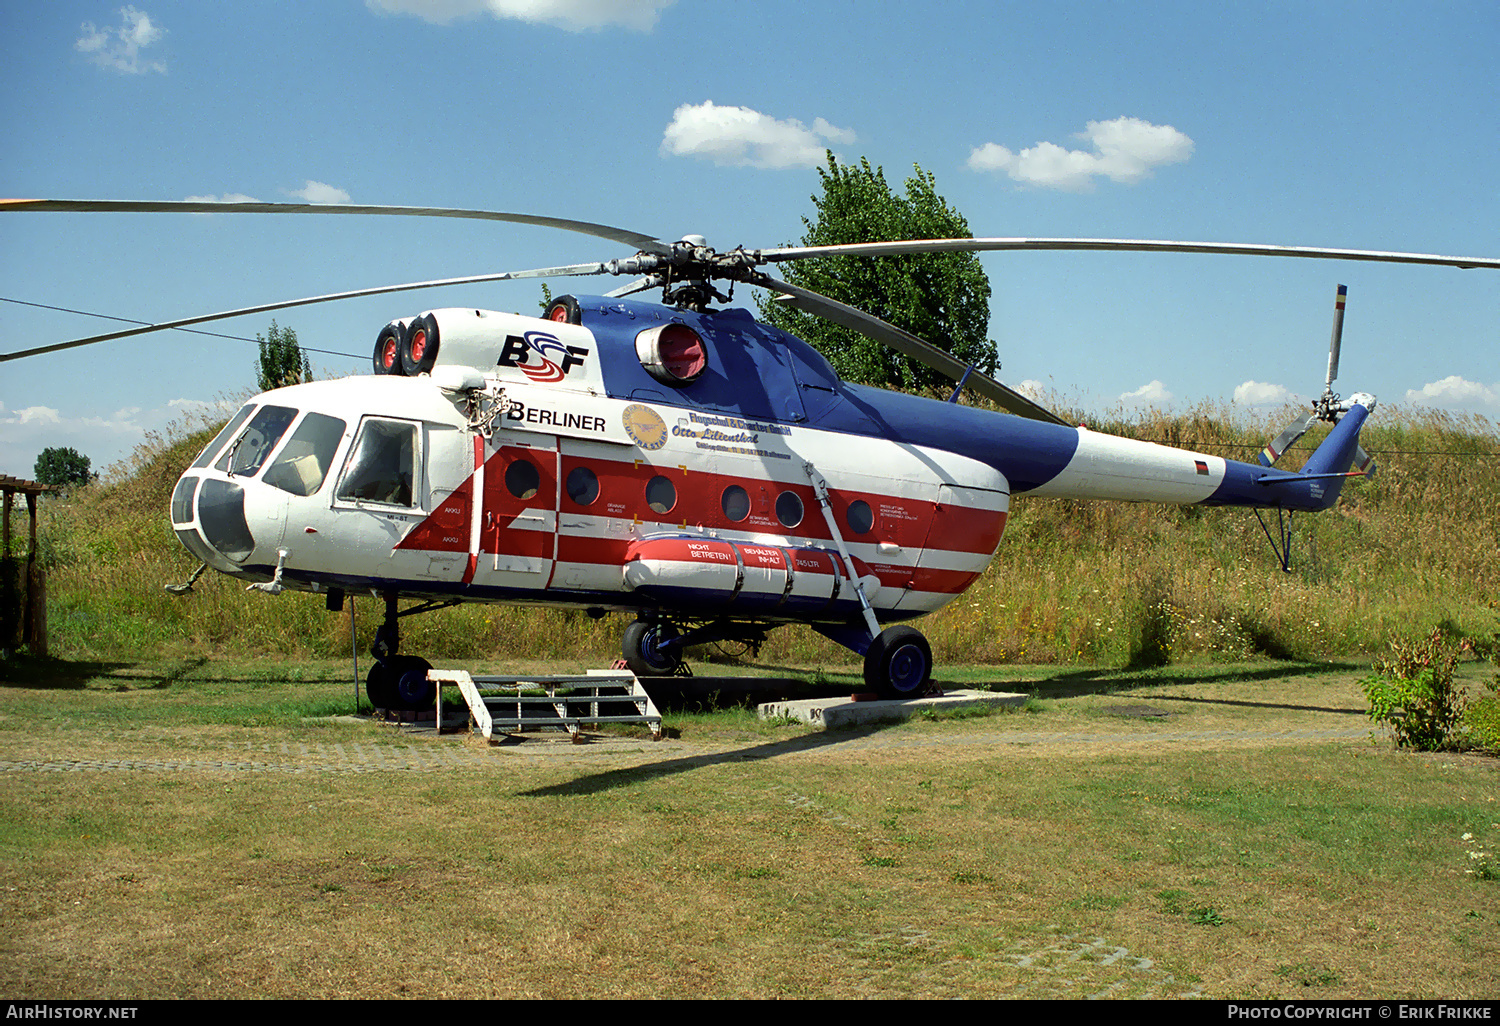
{"x": 303, "y": 462}
{"x": 382, "y": 465}
{"x": 251, "y": 448}
{"x": 225, "y": 433}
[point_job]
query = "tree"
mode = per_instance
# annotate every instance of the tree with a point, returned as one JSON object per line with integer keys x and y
{"x": 281, "y": 359}
{"x": 64, "y": 467}
{"x": 942, "y": 298}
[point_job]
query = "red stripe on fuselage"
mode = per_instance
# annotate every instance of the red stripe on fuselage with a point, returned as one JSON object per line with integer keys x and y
{"x": 909, "y": 523}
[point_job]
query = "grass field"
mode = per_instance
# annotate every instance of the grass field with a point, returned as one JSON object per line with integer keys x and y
{"x": 190, "y": 811}
{"x": 209, "y": 829}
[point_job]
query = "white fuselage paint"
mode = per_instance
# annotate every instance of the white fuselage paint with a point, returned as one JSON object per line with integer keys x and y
{"x": 1109, "y": 467}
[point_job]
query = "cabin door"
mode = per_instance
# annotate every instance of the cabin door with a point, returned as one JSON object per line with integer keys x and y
{"x": 518, "y": 514}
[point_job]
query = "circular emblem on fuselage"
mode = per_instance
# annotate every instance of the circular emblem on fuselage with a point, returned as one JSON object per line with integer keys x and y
{"x": 645, "y": 427}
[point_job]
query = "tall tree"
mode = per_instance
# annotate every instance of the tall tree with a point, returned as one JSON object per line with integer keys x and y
{"x": 942, "y": 298}
{"x": 62, "y": 466}
{"x": 281, "y": 359}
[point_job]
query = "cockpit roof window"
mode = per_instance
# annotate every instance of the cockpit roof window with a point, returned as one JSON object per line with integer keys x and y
{"x": 250, "y": 449}
{"x": 212, "y": 449}
{"x": 303, "y": 462}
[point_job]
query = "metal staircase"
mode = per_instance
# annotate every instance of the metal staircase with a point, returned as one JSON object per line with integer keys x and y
{"x": 551, "y": 701}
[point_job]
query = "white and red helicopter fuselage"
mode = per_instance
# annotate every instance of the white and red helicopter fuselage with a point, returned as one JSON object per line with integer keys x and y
{"x": 689, "y": 467}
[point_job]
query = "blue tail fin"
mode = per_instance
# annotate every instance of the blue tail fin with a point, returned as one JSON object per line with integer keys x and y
{"x": 1331, "y": 460}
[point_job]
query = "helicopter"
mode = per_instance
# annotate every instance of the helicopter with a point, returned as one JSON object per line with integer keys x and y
{"x": 676, "y": 460}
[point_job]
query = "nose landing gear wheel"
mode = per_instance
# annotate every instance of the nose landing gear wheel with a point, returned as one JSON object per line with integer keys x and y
{"x": 899, "y": 664}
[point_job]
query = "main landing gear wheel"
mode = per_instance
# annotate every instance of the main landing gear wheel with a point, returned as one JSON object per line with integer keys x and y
{"x": 899, "y": 664}
{"x": 401, "y": 683}
{"x": 646, "y": 651}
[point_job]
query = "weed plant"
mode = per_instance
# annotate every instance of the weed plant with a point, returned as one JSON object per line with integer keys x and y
{"x": 1412, "y": 691}
{"x": 1077, "y": 582}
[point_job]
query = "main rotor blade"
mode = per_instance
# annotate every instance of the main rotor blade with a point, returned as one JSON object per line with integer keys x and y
{"x": 639, "y": 285}
{"x": 645, "y": 243}
{"x": 541, "y": 272}
{"x": 909, "y": 345}
{"x": 1111, "y": 245}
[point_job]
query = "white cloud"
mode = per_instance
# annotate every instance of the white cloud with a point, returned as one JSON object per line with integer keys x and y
{"x": 317, "y": 192}
{"x": 1456, "y": 393}
{"x": 120, "y": 48}
{"x": 104, "y": 439}
{"x": 832, "y": 134}
{"x": 1125, "y": 150}
{"x": 1152, "y": 394}
{"x": 739, "y": 136}
{"x": 1262, "y": 393}
{"x": 573, "y": 15}
{"x": 34, "y": 415}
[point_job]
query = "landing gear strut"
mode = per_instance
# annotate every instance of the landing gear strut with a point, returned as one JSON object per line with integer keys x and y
{"x": 651, "y": 649}
{"x": 399, "y": 682}
{"x": 653, "y": 646}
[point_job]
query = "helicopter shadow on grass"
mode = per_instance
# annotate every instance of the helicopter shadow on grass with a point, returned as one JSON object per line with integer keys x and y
{"x": 609, "y": 780}
{"x": 49, "y": 674}
{"x": 1077, "y": 683}
{"x": 723, "y": 691}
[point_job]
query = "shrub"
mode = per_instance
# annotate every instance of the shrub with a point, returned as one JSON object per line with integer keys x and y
{"x": 1413, "y": 691}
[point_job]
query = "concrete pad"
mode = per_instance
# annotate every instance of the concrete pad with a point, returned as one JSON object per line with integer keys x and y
{"x": 834, "y": 713}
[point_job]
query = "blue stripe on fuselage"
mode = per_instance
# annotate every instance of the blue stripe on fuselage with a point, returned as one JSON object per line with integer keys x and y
{"x": 758, "y": 371}
{"x": 1028, "y": 452}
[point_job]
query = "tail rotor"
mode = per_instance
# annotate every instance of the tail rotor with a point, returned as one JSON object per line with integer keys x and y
{"x": 1328, "y": 407}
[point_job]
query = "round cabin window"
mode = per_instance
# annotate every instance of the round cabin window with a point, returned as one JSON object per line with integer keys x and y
{"x": 736, "y": 503}
{"x": 582, "y": 485}
{"x": 522, "y": 479}
{"x": 661, "y": 494}
{"x": 860, "y": 517}
{"x": 789, "y": 509}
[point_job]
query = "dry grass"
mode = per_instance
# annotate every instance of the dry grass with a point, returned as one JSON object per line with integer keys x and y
{"x": 927, "y": 860}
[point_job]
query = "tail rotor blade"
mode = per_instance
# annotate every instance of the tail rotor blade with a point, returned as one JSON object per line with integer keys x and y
{"x": 1338, "y": 336}
{"x": 1284, "y": 441}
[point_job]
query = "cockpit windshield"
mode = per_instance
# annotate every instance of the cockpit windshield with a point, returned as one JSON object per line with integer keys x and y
{"x": 225, "y": 433}
{"x": 251, "y": 448}
{"x": 303, "y": 462}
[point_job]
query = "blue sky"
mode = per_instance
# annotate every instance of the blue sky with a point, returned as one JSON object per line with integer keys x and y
{"x": 1352, "y": 125}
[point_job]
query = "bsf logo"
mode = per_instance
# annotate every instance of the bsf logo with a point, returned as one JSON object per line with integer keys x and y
{"x": 540, "y": 356}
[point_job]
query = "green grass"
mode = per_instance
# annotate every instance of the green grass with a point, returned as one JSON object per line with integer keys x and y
{"x": 737, "y": 858}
